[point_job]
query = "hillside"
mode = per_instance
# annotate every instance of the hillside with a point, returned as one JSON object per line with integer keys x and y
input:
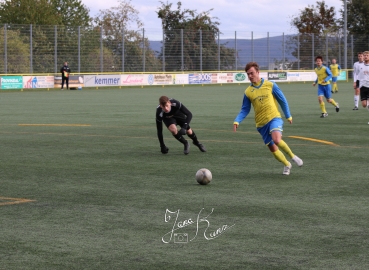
{"x": 245, "y": 48}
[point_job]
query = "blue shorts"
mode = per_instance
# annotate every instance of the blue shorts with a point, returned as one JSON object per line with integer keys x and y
{"x": 324, "y": 90}
{"x": 276, "y": 124}
{"x": 334, "y": 79}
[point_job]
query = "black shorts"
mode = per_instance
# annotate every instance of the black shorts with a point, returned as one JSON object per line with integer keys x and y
{"x": 364, "y": 93}
{"x": 176, "y": 121}
{"x": 357, "y": 83}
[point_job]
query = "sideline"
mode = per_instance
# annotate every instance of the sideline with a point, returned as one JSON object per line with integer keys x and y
{"x": 10, "y": 201}
{"x": 56, "y": 125}
{"x": 313, "y": 140}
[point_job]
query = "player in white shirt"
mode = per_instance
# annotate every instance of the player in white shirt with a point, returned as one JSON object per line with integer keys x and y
{"x": 364, "y": 81}
{"x": 356, "y": 71}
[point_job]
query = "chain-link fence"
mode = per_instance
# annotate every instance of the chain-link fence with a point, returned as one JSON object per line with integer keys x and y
{"x": 43, "y": 49}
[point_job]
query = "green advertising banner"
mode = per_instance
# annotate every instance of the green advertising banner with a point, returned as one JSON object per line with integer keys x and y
{"x": 12, "y": 82}
{"x": 342, "y": 76}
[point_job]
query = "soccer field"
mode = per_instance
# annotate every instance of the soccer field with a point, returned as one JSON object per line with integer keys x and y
{"x": 83, "y": 184}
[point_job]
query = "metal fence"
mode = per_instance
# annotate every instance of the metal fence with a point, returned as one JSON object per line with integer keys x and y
{"x": 43, "y": 49}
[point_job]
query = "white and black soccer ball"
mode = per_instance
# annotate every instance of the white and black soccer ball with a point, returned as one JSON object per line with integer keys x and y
{"x": 203, "y": 176}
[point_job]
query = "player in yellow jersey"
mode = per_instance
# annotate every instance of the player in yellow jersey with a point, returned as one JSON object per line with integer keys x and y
{"x": 324, "y": 87}
{"x": 336, "y": 70}
{"x": 265, "y": 96}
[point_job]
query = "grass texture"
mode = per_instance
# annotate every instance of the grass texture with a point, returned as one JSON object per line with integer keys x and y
{"x": 83, "y": 184}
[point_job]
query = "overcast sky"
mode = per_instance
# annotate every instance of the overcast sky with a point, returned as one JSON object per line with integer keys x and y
{"x": 259, "y": 16}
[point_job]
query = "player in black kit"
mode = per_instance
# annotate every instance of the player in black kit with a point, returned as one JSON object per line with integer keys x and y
{"x": 173, "y": 113}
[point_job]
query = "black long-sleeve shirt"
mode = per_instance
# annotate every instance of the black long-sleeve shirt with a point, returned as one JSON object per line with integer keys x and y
{"x": 64, "y": 70}
{"x": 178, "y": 111}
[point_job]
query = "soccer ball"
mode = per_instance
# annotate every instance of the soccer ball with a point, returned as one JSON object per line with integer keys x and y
{"x": 203, "y": 176}
{"x": 79, "y": 87}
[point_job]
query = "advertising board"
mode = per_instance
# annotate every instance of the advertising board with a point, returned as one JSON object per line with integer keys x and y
{"x": 102, "y": 80}
{"x": 199, "y": 78}
{"x": 160, "y": 79}
{"x": 134, "y": 79}
{"x": 75, "y": 81}
{"x": 11, "y": 82}
{"x": 180, "y": 79}
{"x": 38, "y": 81}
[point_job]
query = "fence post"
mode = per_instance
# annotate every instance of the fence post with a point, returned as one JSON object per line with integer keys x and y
{"x": 79, "y": 49}
{"x": 252, "y": 46}
{"x": 235, "y": 49}
{"x": 352, "y": 50}
{"x": 182, "y": 64}
{"x": 31, "y": 49}
{"x": 200, "y": 50}
{"x": 326, "y": 48}
{"x": 123, "y": 49}
{"x": 5, "y": 50}
{"x": 218, "y": 51}
{"x": 313, "y": 49}
{"x": 345, "y": 34}
{"x": 298, "y": 51}
{"x": 163, "y": 50}
{"x": 101, "y": 50}
{"x": 339, "y": 49}
{"x": 284, "y": 52}
{"x": 55, "y": 49}
{"x": 268, "y": 51}
{"x": 143, "y": 48}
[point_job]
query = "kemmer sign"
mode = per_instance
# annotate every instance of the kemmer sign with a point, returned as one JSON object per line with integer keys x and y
{"x": 12, "y": 82}
{"x": 103, "y": 80}
{"x": 278, "y": 75}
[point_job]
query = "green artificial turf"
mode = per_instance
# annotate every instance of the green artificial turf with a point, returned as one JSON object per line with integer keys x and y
{"x": 101, "y": 190}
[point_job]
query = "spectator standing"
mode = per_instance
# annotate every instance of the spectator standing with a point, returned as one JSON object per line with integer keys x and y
{"x": 65, "y": 71}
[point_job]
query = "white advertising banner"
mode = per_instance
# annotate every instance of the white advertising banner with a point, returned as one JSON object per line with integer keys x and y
{"x": 38, "y": 81}
{"x": 180, "y": 79}
{"x": 160, "y": 79}
{"x": 134, "y": 79}
{"x": 301, "y": 76}
{"x": 240, "y": 77}
{"x": 199, "y": 78}
{"x": 263, "y": 75}
{"x": 102, "y": 80}
{"x": 222, "y": 78}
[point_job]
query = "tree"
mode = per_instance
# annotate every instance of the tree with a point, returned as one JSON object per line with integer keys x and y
{"x": 72, "y": 12}
{"x": 124, "y": 16}
{"x": 357, "y": 16}
{"x": 44, "y": 12}
{"x": 318, "y": 20}
{"x": 43, "y": 15}
{"x": 29, "y": 12}
{"x": 357, "y": 22}
{"x": 193, "y": 34}
{"x": 118, "y": 21}
{"x": 17, "y": 51}
{"x": 315, "y": 25}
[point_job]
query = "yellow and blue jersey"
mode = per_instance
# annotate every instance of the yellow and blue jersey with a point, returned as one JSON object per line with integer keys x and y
{"x": 335, "y": 69}
{"x": 265, "y": 98}
{"x": 324, "y": 75}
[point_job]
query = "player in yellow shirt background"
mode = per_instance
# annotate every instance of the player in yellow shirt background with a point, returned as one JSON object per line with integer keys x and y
{"x": 324, "y": 75}
{"x": 336, "y": 70}
{"x": 265, "y": 96}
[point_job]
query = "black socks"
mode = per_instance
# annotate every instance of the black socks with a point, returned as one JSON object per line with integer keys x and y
{"x": 194, "y": 138}
{"x": 180, "y": 138}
